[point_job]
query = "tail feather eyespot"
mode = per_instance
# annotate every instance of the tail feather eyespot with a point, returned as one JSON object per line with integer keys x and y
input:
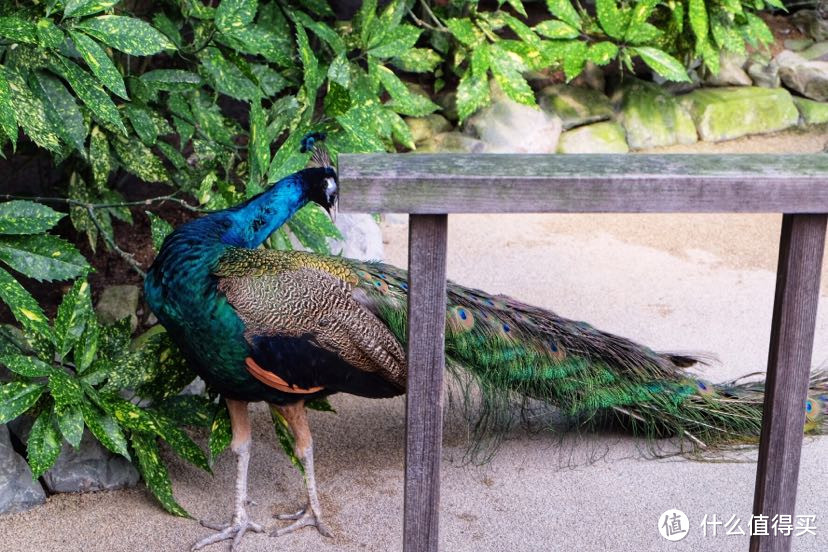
{"x": 380, "y": 285}
{"x": 460, "y": 319}
{"x": 554, "y": 350}
{"x": 704, "y": 388}
{"x": 813, "y": 409}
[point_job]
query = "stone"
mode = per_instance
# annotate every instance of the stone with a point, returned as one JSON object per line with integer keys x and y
{"x": 683, "y": 87}
{"x": 575, "y": 106}
{"x": 21, "y": 426}
{"x": 730, "y": 71}
{"x": 811, "y": 23}
{"x": 813, "y": 113}
{"x": 18, "y": 491}
{"x": 809, "y": 78}
{"x": 89, "y": 468}
{"x": 195, "y": 387}
{"x": 727, "y": 113}
{"x": 417, "y": 88}
{"x": 424, "y": 128}
{"x": 510, "y": 127}
{"x": 362, "y": 238}
{"x": 604, "y": 137}
{"x": 447, "y": 100}
{"x": 797, "y": 44}
{"x": 765, "y": 73}
{"x": 651, "y": 117}
{"x": 591, "y": 77}
{"x": 117, "y": 303}
{"x": 452, "y": 142}
{"x": 816, "y": 52}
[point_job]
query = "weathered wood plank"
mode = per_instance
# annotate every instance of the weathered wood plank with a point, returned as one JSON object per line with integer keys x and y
{"x": 789, "y": 362}
{"x": 460, "y": 183}
{"x": 424, "y": 399}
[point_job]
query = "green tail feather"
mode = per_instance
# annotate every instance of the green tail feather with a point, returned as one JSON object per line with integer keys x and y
{"x": 505, "y": 354}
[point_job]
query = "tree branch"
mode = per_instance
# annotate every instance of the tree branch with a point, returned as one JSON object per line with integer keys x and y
{"x": 86, "y": 205}
{"x": 114, "y": 246}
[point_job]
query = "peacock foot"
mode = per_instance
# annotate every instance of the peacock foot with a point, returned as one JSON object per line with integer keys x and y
{"x": 227, "y": 531}
{"x": 305, "y": 517}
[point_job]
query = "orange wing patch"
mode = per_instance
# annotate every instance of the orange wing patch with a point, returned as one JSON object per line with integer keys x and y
{"x": 272, "y": 380}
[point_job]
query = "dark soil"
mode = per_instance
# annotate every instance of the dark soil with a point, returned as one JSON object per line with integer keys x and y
{"x": 782, "y": 29}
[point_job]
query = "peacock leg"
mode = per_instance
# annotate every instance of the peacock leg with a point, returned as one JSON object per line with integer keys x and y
{"x": 311, "y": 514}
{"x": 241, "y": 523}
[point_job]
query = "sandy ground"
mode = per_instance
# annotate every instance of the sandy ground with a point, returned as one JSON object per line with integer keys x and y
{"x": 691, "y": 282}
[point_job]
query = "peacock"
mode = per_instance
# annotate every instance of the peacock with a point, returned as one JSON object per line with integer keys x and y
{"x": 289, "y": 327}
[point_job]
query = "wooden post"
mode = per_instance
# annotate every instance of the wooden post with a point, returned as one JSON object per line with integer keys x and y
{"x": 789, "y": 363}
{"x": 424, "y": 401}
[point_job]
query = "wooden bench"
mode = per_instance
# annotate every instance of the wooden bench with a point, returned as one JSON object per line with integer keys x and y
{"x": 429, "y": 187}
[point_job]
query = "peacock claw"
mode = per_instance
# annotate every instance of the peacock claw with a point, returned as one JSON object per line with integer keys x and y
{"x": 290, "y": 517}
{"x": 227, "y": 531}
{"x": 303, "y": 518}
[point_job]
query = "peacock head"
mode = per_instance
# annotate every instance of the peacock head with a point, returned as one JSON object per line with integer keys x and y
{"x": 321, "y": 179}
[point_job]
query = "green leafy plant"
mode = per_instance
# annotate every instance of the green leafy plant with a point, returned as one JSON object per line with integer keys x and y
{"x": 74, "y": 373}
{"x": 196, "y": 96}
{"x": 659, "y": 33}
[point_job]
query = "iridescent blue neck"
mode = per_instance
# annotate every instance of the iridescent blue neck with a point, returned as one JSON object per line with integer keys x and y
{"x": 253, "y": 221}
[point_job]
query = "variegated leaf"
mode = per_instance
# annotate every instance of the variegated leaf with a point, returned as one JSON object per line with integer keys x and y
{"x": 220, "y": 432}
{"x": 43, "y": 445}
{"x": 23, "y": 306}
{"x": 80, "y": 8}
{"x": 99, "y": 159}
{"x": 160, "y": 229}
{"x": 42, "y": 257}
{"x": 404, "y": 100}
{"x": 99, "y": 63}
{"x": 62, "y": 109}
{"x": 25, "y": 365}
{"x": 27, "y": 217}
{"x": 17, "y": 397}
{"x": 417, "y": 60}
{"x": 91, "y": 93}
{"x": 72, "y": 314}
{"x": 105, "y": 429}
{"x": 65, "y": 388}
{"x": 232, "y": 15}
{"x": 176, "y": 80}
{"x": 127, "y": 34}
{"x": 663, "y": 63}
{"x": 30, "y": 112}
{"x": 70, "y": 423}
{"x": 8, "y": 123}
{"x": 18, "y": 30}
{"x": 140, "y": 161}
{"x": 154, "y": 471}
